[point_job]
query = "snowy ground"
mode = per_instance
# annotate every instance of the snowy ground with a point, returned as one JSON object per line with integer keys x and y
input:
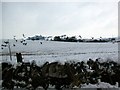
{"x": 62, "y": 51}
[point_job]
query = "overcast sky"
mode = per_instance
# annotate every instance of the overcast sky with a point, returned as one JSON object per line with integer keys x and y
{"x": 88, "y": 19}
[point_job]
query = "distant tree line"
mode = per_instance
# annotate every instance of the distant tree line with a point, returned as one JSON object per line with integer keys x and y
{"x": 66, "y": 38}
{"x": 36, "y": 37}
{"x": 80, "y": 39}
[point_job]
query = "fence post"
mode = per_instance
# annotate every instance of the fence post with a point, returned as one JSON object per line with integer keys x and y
{"x": 9, "y": 50}
{"x": 19, "y": 57}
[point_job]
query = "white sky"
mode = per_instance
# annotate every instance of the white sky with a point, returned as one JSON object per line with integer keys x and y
{"x": 88, "y": 19}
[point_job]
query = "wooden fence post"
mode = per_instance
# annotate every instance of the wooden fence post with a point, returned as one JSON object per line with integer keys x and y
{"x": 19, "y": 57}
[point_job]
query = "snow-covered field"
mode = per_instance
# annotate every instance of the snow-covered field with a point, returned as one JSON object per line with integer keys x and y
{"x": 60, "y": 51}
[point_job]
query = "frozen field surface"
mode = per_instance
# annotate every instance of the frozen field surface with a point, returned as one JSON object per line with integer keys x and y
{"x": 63, "y": 51}
{"x": 60, "y": 51}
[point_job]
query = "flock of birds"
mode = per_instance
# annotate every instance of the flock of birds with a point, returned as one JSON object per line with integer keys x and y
{"x": 7, "y": 43}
